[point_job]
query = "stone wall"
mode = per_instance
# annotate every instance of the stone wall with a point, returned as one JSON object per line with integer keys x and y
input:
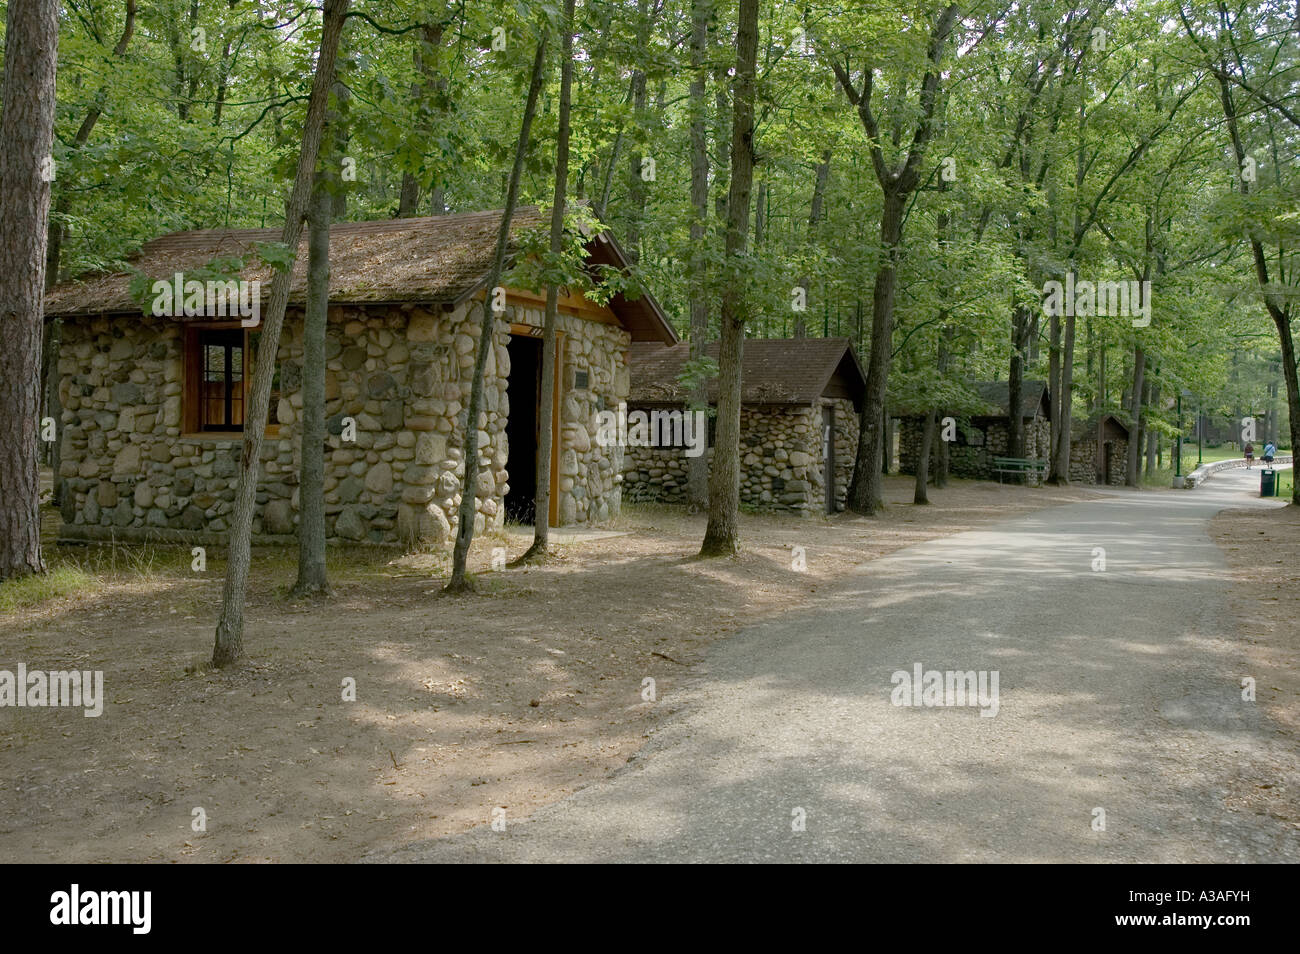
{"x": 780, "y": 460}
{"x": 981, "y": 440}
{"x": 402, "y": 373}
{"x": 1083, "y": 462}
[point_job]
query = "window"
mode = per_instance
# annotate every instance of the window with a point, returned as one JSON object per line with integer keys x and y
{"x": 221, "y": 397}
{"x": 218, "y": 367}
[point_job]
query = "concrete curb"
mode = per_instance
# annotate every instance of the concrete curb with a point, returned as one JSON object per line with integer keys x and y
{"x": 1203, "y": 473}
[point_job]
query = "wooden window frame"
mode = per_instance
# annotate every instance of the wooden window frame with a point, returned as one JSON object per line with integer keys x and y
{"x": 192, "y": 380}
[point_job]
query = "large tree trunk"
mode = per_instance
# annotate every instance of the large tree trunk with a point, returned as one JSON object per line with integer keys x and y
{"x": 311, "y": 483}
{"x": 459, "y": 582}
{"x": 697, "y": 468}
{"x": 1135, "y": 412}
{"x": 919, "y": 495}
{"x": 722, "y": 536}
{"x": 229, "y": 644}
{"x": 864, "y": 494}
{"x": 546, "y": 437}
{"x": 27, "y": 137}
{"x": 424, "y": 57}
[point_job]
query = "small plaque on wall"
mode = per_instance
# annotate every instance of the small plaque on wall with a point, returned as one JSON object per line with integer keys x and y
{"x": 580, "y": 380}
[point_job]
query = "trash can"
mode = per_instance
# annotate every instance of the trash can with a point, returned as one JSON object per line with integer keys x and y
{"x": 1268, "y": 483}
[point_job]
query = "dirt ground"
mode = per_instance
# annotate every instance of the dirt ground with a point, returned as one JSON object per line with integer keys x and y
{"x": 510, "y": 698}
{"x": 1263, "y": 549}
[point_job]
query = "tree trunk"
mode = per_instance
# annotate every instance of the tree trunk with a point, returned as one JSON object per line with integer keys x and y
{"x": 459, "y": 582}
{"x": 229, "y": 644}
{"x": 1061, "y": 465}
{"x": 919, "y": 495}
{"x": 1153, "y": 438}
{"x": 27, "y": 134}
{"x": 1020, "y": 322}
{"x": 697, "y": 468}
{"x": 864, "y": 494}
{"x": 428, "y": 43}
{"x": 1135, "y": 412}
{"x": 545, "y": 441}
{"x": 311, "y": 484}
{"x": 822, "y": 175}
{"x": 722, "y": 536}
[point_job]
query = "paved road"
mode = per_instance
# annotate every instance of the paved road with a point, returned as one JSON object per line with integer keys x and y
{"x": 1119, "y": 689}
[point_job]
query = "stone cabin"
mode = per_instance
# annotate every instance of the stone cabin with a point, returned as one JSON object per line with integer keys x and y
{"x": 983, "y": 436}
{"x": 1099, "y": 450}
{"x": 153, "y": 406}
{"x": 798, "y": 422}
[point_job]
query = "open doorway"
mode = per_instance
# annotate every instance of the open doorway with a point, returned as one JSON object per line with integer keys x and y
{"x": 522, "y": 432}
{"x": 828, "y": 455}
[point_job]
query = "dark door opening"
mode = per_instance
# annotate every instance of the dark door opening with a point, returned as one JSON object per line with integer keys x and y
{"x": 524, "y": 389}
{"x": 828, "y": 455}
{"x": 1104, "y": 476}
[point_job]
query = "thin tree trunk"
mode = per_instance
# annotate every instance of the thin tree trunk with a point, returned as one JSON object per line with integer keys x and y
{"x": 1135, "y": 412}
{"x": 697, "y": 468}
{"x": 820, "y": 178}
{"x": 459, "y": 582}
{"x": 229, "y": 644}
{"x": 542, "y": 499}
{"x": 722, "y": 536}
{"x": 27, "y": 134}
{"x": 919, "y": 495}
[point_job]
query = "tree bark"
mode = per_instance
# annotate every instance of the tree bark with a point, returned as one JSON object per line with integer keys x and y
{"x": 865, "y": 488}
{"x": 228, "y": 647}
{"x": 820, "y": 178}
{"x": 459, "y": 582}
{"x": 919, "y": 495}
{"x": 697, "y": 475}
{"x": 312, "y": 578}
{"x": 1135, "y": 412}
{"x": 722, "y": 535}
{"x": 27, "y": 134}
{"x": 542, "y": 498}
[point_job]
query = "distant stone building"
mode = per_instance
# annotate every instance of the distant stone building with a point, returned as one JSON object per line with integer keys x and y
{"x": 800, "y": 399}
{"x": 1099, "y": 450}
{"x": 982, "y": 437}
{"x": 153, "y": 405}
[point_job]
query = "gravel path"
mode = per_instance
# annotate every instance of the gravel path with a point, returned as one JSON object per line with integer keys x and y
{"x": 1118, "y": 689}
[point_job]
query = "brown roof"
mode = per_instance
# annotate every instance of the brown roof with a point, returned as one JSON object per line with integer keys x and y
{"x": 440, "y": 259}
{"x": 1033, "y": 397}
{"x": 773, "y": 371}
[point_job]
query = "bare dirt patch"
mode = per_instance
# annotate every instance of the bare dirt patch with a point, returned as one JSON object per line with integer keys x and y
{"x": 1263, "y": 549}
{"x": 510, "y": 698}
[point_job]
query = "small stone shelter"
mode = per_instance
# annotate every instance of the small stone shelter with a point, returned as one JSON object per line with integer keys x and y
{"x": 983, "y": 436}
{"x": 153, "y": 405}
{"x": 800, "y": 399}
{"x": 1099, "y": 450}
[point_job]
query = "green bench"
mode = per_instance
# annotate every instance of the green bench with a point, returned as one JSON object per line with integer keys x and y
{"x": 1019, "y": 466}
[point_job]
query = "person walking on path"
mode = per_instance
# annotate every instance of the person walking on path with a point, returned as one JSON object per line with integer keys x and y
{"x": 1269, "y": 451}
{"x": 1249, "y": 451}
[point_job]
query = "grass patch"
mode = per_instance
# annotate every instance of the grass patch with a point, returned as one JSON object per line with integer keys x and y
{"x": 58, "y": 582}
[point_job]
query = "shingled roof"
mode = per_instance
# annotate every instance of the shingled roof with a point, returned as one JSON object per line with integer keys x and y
{"x": 773, "y": 371}
{"x": 1033, "y": 397}
{"x": 441, "y": 260}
